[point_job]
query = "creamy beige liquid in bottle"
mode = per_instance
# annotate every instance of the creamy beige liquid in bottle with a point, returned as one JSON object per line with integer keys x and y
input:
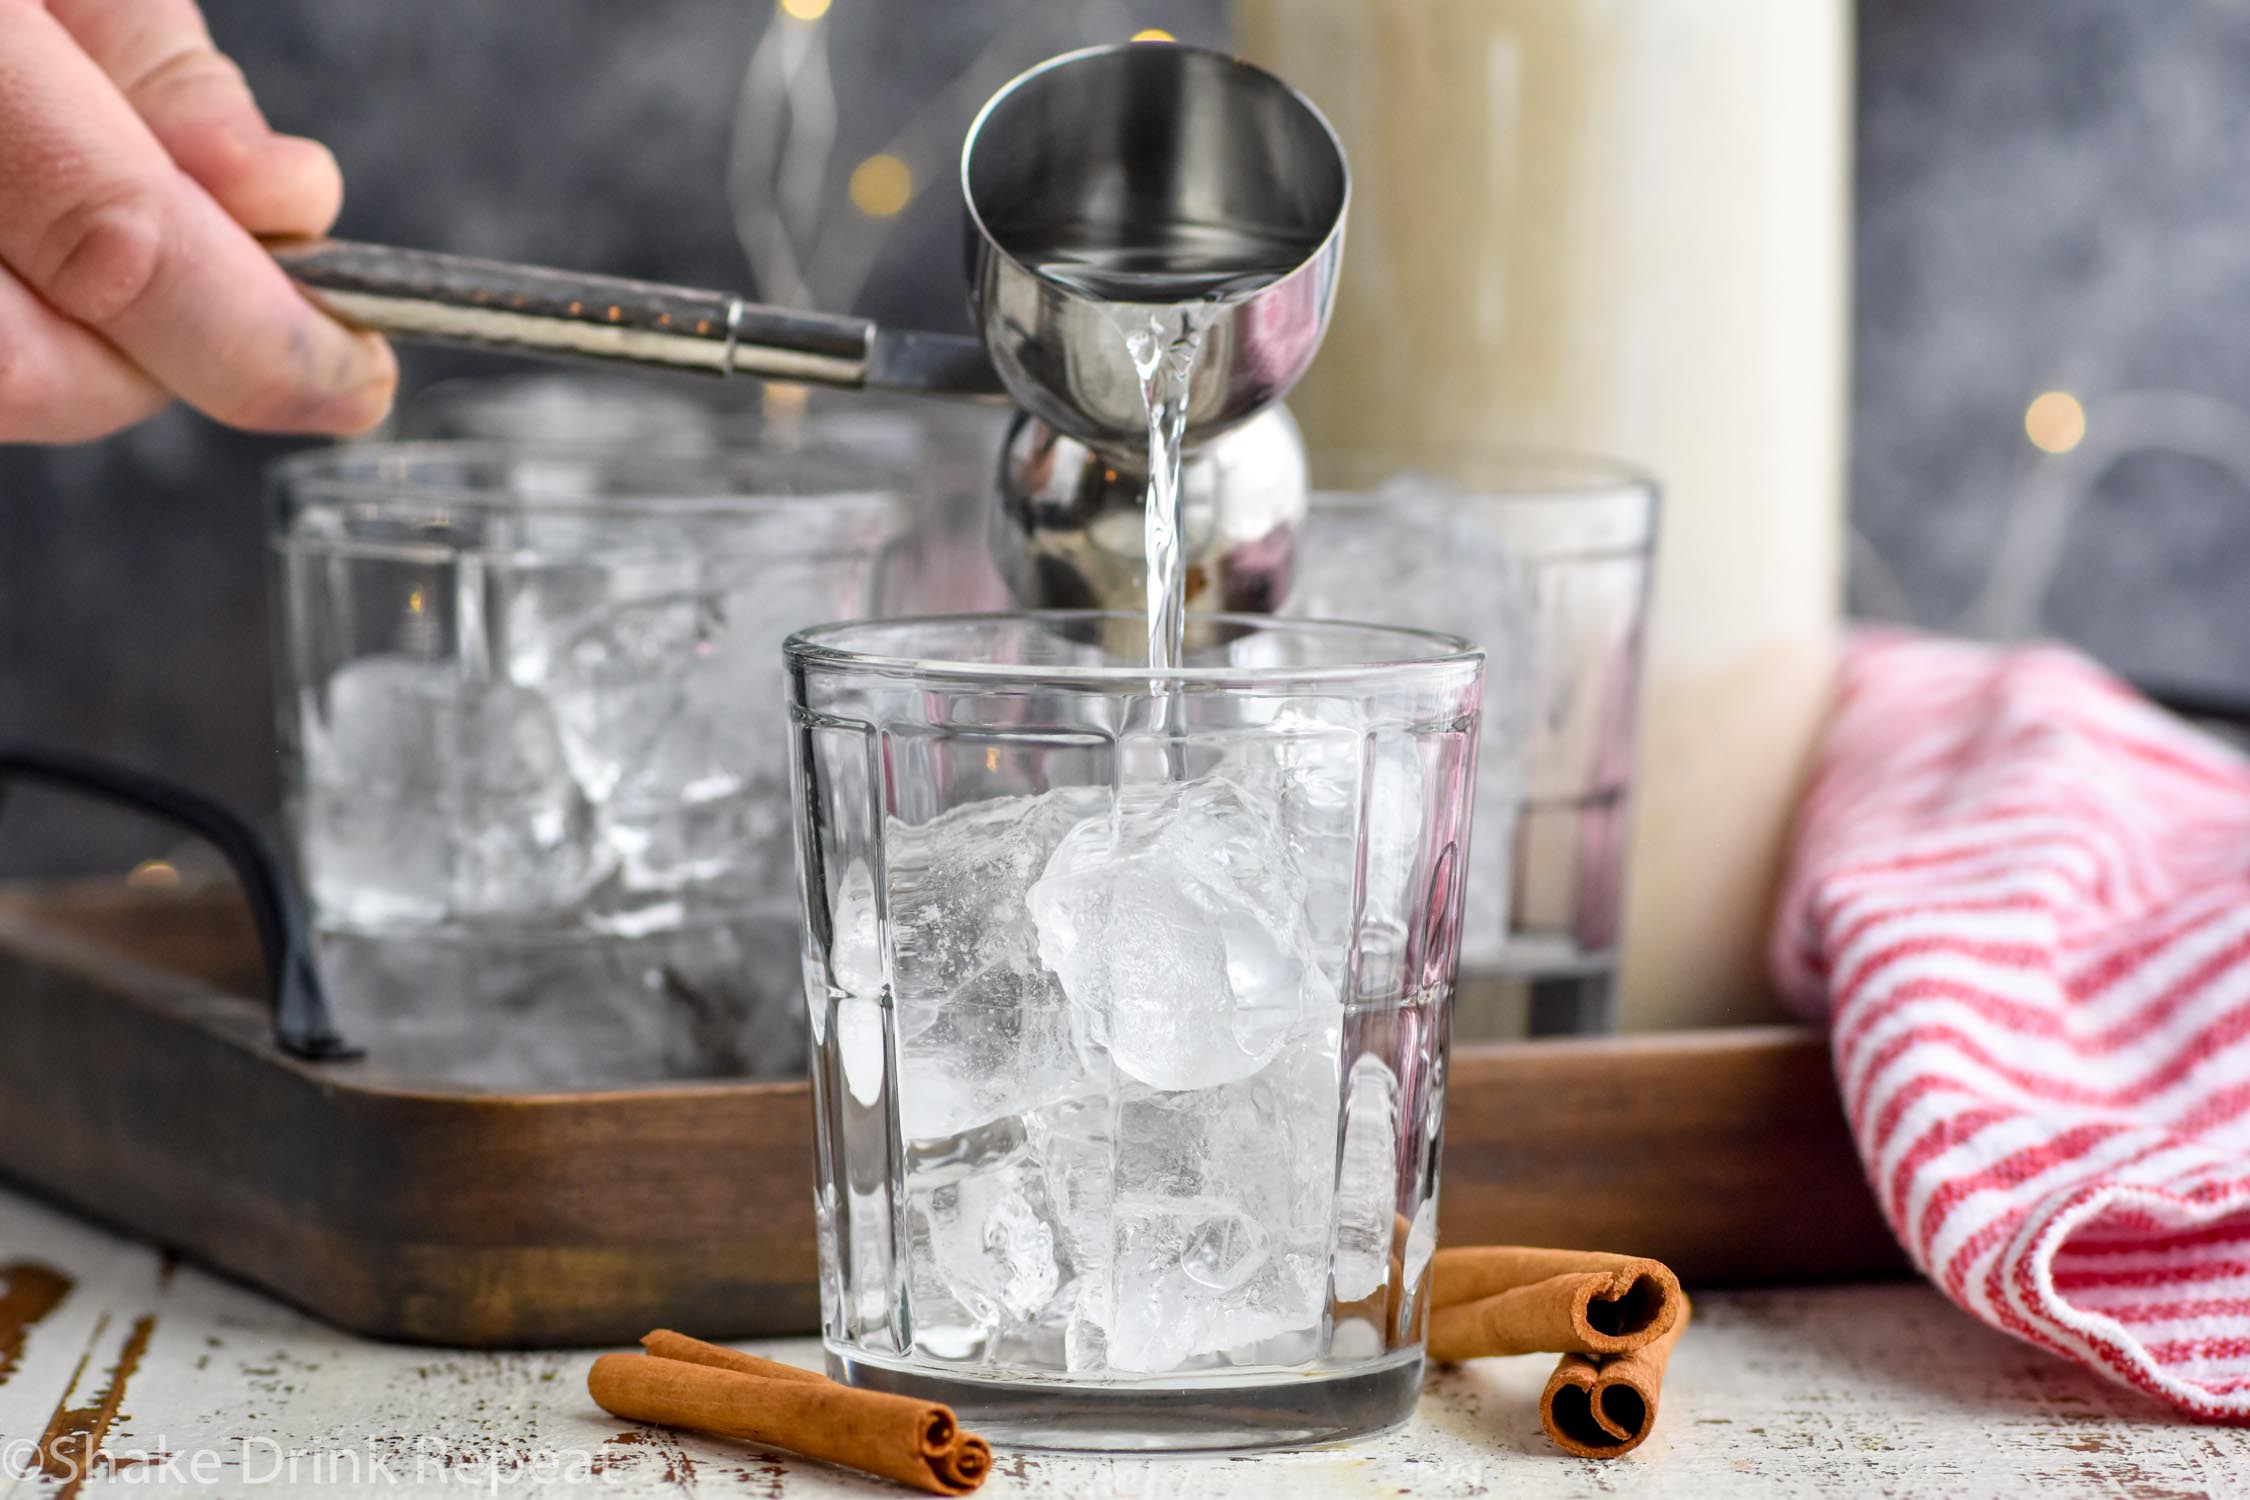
{"x": 1620, "y": 227}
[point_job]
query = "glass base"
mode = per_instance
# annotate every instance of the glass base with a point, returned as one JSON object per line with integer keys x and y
{"x": 1278, "y": 1410}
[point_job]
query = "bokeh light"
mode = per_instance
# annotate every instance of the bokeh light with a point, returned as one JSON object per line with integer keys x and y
{"x": 881, "y": 185}
{"x": 2055, "y": 422}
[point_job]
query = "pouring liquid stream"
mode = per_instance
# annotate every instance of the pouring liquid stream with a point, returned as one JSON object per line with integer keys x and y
{"x": 1164, "y": 298}
{"x": 1164, "y": 357}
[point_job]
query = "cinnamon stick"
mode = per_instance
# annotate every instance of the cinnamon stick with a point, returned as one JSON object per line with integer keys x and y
{"x": 1603, "y": 1407}
{"x": 683, "y": 1382}
{"x": 1508, "y": 1299}
{"x": 963, "y": 1466}
{"x": 665, "y": 1344}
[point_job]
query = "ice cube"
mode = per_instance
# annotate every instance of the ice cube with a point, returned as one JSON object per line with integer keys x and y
{"x": 666, "y": 669}
{"x": 1000, "y": 1045}
{"x": 709, "y": 801}
{"x": 1198, "y": 1223}
{"x": 989, "y": 1271}
{"x": 1158, "y": 1318}
{"x": 375, "y": 842}
{"x": 1074, "y": 1142}
{"x": 684, "y": 822}
{"x": 1310, "y": 771}
{"x": 545, "y": 1010}
{"x": 610, "y": 647}
{"x": 958, "y": 883}
{"x": 1367, "y": 1181}
{"x": 430, "y": 793}
{"x": 690, "y": 790}
{"x": 1225, "y": 1250}
{"x": 992, "y": 1241}
{"x": 984, "y": 1029}
{"x": 1349, "y": 807}
{"x": 1177, "y": 925}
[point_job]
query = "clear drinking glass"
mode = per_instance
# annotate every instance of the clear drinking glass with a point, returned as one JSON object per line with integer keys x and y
{"x": 952, "y": 448}
{"x": 1129, "y": 1005}
{"x": 532, "y": 713}
{"x": 1544, "y": 562}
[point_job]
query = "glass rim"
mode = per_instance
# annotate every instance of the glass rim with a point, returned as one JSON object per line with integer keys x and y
{"x": 822, "y": 645}
{"x": 1523, "y": 475}
{"x": 720, "y": 482}
{"x": 1555, "y": 507}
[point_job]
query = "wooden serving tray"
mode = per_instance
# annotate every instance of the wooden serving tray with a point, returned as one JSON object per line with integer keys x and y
{"x": 141, "y": 1085}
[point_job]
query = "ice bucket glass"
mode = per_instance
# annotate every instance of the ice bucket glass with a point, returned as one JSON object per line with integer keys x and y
{"x": 1129, "y": 1005}
{"x": 534, "y": 734}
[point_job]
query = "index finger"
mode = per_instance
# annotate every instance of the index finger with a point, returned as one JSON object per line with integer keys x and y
{"x": 109, "y": 232}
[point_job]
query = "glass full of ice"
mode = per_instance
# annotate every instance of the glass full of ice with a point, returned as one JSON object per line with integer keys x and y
{"x": 531, "y": 711}
{"x": 1129, "y": 995}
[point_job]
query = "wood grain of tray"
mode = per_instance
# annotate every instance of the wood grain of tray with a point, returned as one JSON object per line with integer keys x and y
{"x": 140, "y": 1085}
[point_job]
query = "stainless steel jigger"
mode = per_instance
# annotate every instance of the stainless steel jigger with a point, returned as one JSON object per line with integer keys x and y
{"x": 1146, "y": 158}
{"x": 1158, "y": 159}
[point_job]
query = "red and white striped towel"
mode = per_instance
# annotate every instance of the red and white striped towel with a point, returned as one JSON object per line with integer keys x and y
{"x": 2021, "y": 894}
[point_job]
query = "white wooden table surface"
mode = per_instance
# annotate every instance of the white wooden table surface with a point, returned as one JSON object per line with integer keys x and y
{"x": 1879, "y": 1390}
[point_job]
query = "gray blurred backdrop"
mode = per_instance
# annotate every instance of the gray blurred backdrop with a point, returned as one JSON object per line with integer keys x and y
{"x": 2049, "y": 198}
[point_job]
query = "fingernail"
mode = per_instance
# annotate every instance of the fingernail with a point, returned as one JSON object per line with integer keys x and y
{"x": 355, "y": 410}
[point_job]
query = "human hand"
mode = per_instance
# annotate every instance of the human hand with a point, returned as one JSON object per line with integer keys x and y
{"x": 135, "y": 172}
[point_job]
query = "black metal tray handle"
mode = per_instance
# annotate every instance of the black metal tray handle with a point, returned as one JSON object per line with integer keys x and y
{"x": 302, "y": 1023}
